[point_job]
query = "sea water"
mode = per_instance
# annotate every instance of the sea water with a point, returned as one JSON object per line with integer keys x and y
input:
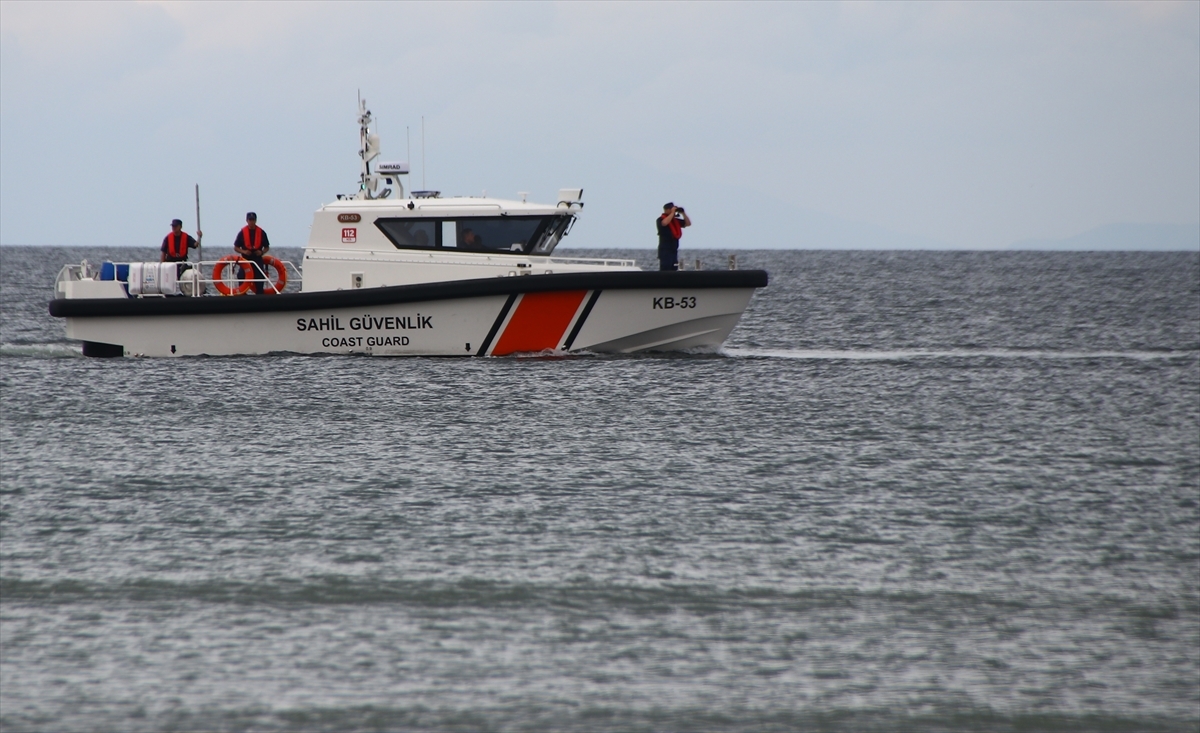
{"x": 915, "y": 491}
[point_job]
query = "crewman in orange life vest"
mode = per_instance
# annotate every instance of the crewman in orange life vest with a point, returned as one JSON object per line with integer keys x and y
{"x": 252, "y": 243}
{"x": 175, "y": 245}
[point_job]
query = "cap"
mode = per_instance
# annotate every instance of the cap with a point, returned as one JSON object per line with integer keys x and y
{"x": 251, "y": 215}
{"x": 667, "y": 205}
{"x": 177, "y": 222}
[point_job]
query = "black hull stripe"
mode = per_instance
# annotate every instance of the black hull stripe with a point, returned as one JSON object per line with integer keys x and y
{"x": 587, "y": 309}
{"x": 456, "y": 289}
{"x": 508, "y": 304}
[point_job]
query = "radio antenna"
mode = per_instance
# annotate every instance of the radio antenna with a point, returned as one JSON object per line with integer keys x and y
{"x": 422, "y": 151}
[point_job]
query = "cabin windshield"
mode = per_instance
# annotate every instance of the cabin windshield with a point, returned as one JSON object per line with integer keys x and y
{"x": 554, "y": 232}
{"x": 495, "y": 234}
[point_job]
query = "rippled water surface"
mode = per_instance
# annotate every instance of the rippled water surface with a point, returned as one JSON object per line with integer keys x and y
{"x": 917, "y": 491}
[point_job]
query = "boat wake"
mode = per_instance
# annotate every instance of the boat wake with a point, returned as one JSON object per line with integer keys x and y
{"x": 910, "y": 354}
{"x": 62, "y": 350}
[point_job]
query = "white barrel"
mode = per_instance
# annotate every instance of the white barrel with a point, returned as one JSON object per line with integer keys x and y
{"x": 191, "y": 282}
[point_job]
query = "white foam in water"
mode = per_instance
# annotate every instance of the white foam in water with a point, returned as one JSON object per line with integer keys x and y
{"x": 47, "y": 350}
{"x": 906, "y": 354}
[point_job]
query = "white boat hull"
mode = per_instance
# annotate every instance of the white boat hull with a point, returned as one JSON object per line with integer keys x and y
{"x": 506, "y": 316}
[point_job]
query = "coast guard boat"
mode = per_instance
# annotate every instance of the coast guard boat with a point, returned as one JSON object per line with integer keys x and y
{"x": 416, "y": 274}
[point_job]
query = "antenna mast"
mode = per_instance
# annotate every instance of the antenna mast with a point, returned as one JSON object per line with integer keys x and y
{"x": 368, "y": 150}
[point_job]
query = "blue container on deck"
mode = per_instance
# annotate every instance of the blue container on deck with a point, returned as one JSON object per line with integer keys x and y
{"x": 112, "y": 271}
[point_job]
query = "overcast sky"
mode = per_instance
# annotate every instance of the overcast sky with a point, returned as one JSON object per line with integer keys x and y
{"x": 777, "y": 125}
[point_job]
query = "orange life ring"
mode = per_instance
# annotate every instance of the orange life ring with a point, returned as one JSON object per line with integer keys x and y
{"x": 280, "y": 275}
{"x": 243, "y": 285}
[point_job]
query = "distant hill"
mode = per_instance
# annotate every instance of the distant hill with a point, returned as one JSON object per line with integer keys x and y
{"x": 1117, "y": 237}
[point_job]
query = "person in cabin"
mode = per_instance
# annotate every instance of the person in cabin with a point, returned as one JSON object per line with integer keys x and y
{"x": 471, "y": 240}
{"x": 252, "y": 243}
{"x": 175, "y": 245}
{"x": 670, "y": 229}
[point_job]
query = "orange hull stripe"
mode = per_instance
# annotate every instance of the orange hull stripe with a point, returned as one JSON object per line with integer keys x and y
{"x": 540, "y": 322}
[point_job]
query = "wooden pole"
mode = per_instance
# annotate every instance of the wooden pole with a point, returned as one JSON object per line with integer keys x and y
{"x": 198, "y": 237}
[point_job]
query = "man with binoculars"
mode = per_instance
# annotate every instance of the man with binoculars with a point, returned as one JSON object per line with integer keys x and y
{"x": 670, "y": 228}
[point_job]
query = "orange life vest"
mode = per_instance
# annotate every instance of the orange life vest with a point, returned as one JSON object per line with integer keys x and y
{"x": 177, "y": 247}
{"x": 256, "y": 245}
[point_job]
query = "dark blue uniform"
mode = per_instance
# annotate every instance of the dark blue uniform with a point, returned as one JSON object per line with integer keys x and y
{"x": 668, "y": 247}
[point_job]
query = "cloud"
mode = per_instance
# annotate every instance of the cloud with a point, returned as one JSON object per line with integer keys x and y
{"x": 969, "y": 124}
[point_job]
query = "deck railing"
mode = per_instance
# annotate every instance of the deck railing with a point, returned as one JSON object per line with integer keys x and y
{"x": 194, "y": 279}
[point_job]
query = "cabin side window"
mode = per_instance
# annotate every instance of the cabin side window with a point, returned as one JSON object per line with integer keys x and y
{"x": 410, "y": 233}
{"x": 514, "y": 234}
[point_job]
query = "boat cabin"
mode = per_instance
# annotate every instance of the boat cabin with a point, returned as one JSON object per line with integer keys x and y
{"x": 358, "y": 243}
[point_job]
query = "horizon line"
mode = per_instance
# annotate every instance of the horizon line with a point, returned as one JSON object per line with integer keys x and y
{"x": 1011, "y": 248}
